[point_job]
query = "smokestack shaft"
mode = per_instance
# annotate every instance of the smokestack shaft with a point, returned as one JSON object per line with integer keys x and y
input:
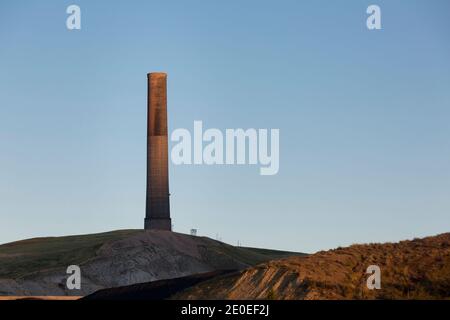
{"x": 157, "y": 205}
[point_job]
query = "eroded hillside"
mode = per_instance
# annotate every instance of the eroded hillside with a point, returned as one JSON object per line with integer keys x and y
{"x": 417, "y": 269}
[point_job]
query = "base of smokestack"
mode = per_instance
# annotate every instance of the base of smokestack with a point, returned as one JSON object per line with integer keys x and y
{"x": 158, "y": 224}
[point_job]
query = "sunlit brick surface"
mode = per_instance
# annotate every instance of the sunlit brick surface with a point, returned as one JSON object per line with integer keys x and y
{"x": 157, "y": 208}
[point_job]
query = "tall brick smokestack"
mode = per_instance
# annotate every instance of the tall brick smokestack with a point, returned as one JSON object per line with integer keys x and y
{"x": 157, "y": 213}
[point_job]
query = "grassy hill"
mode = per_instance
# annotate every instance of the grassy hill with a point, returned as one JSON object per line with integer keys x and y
{"x": 20, "y": 258}
{"x": 37, "y": 266}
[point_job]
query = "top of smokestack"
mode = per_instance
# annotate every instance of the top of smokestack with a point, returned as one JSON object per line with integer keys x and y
{"x": 161, "y": 74}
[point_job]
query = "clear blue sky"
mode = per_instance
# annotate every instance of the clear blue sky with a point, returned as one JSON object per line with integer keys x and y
{"x": 363, "y": 117}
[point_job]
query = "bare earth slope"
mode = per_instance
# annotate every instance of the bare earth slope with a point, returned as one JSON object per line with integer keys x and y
{"x": 38, "y": 266}
{"x": 417, "y": 269}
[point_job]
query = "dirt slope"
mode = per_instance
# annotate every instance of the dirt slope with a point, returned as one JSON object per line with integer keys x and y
{"x": 417, "y": 269}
